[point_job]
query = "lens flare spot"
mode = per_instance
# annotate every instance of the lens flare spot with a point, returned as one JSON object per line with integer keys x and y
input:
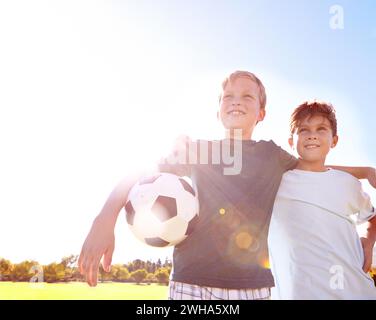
{"x": 243, "y": 240}
{"x": 222, "y": 211}
{"x": 266, "y": 264}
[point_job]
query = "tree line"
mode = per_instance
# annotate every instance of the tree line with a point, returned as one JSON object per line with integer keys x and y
{"x": 66, "y": 270}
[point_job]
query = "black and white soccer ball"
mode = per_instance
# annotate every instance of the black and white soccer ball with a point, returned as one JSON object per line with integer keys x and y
{"x": 162, "y": 210}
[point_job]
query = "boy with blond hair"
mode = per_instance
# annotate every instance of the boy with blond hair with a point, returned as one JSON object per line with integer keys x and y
{"x": 315, "y": 250}
{"x": 226, "y": 255}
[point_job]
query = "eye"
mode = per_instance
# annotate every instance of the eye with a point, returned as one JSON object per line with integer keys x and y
{"x": 227, "y": 96}
{"x": 302, "y": 130}
{"x": 249, "y": 97}
{"x": 322, "y": 129}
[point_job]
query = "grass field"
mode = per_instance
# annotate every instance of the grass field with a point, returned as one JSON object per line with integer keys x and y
{"x": 78, "y": 291}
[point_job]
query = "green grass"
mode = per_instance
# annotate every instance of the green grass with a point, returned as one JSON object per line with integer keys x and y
{"x": 79, "y": 290}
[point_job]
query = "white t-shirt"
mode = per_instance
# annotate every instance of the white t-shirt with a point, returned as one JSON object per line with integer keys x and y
{"x": 315, "y": 251}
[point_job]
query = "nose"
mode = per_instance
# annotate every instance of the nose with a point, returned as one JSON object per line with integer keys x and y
{"x": 235, "y": 102}
{"x": 312, "y": 136}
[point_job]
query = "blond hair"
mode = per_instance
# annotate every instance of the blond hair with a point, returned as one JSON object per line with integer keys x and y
{"x": 248, "y": 75}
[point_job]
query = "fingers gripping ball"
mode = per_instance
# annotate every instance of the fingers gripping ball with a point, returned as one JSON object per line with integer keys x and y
{"x": 162, "y": 210}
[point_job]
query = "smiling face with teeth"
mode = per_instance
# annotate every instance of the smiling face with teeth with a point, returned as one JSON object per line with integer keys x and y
{"x": 240, "y": 106}
{"x": 313, "y": 140}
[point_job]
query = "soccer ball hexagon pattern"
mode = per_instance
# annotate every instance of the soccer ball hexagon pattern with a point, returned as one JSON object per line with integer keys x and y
{"x": 162, "y": 210}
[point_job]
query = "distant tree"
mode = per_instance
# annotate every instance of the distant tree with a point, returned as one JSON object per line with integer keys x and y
{"x": 54, "y": 272}
{"x": 24, "y": 270}
{"x": 162, "y": 275}
{"x": 122, "y": 274}
{"x": 138, "y": 264}
{"x": 167, "y": 263}
{"x": 67, "y": 270}
{"x": 70, "y": 266}
{"x": 118, "y": 273}
{"x": 169, "y": 270}
{"x": 373, "y": 275}
{"x": 76, "y": 275}
{"x": 158, "y": 264}
{"x": 69, "y": 261}
{"x": 139, "y": 275}
{"x": 150, "y": 278}
{"x": 6, "y": 268}
{"x": 148, "y": 266}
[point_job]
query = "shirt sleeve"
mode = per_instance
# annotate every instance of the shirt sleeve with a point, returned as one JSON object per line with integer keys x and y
{"x": 166, "y": 165}
{"x": 177, "y": 161}
{"x": 286, "y": 159}
{"x": 364, "y": 207}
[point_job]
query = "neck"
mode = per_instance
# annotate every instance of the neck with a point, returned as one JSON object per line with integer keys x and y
{"x": 316, "y": 166}
{"x": 238, "y": 134}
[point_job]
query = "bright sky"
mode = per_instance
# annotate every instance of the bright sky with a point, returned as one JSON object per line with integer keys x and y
{"x": 92, "y": 90}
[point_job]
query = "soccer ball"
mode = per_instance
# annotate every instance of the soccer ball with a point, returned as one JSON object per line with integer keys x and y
{"x": 162, "y": 210}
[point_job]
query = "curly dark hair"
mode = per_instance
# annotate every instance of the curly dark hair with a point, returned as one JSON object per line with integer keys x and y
{"x": 310, "y": 109}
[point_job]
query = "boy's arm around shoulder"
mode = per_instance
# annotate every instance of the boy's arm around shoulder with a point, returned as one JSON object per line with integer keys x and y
{"x": 368, "y": 173}
{"x": 368, "y": 242}
{"x": 365, "y": 213}
{"x": 100, "y": 241}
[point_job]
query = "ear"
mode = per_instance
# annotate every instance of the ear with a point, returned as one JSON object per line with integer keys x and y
{"x": 335, "y": 141}
{"x": 261, "y": 115}
{"x": 291, "y": 142}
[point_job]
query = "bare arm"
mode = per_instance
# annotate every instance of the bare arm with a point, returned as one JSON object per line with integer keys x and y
{"x": 116, "y": 201}
{"x": 368, "y": 173}
{"x": 368, "y": 239}
{"x": 100, "y": 242}
{"x": 368, "y": 242}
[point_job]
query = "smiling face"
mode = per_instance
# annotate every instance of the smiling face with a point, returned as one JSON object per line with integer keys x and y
{"x": 313, "y": 139}
{"x": 240, "y": 106}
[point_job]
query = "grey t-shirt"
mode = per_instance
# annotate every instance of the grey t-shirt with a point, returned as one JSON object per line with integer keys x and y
{"x": 228, "y": 247}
